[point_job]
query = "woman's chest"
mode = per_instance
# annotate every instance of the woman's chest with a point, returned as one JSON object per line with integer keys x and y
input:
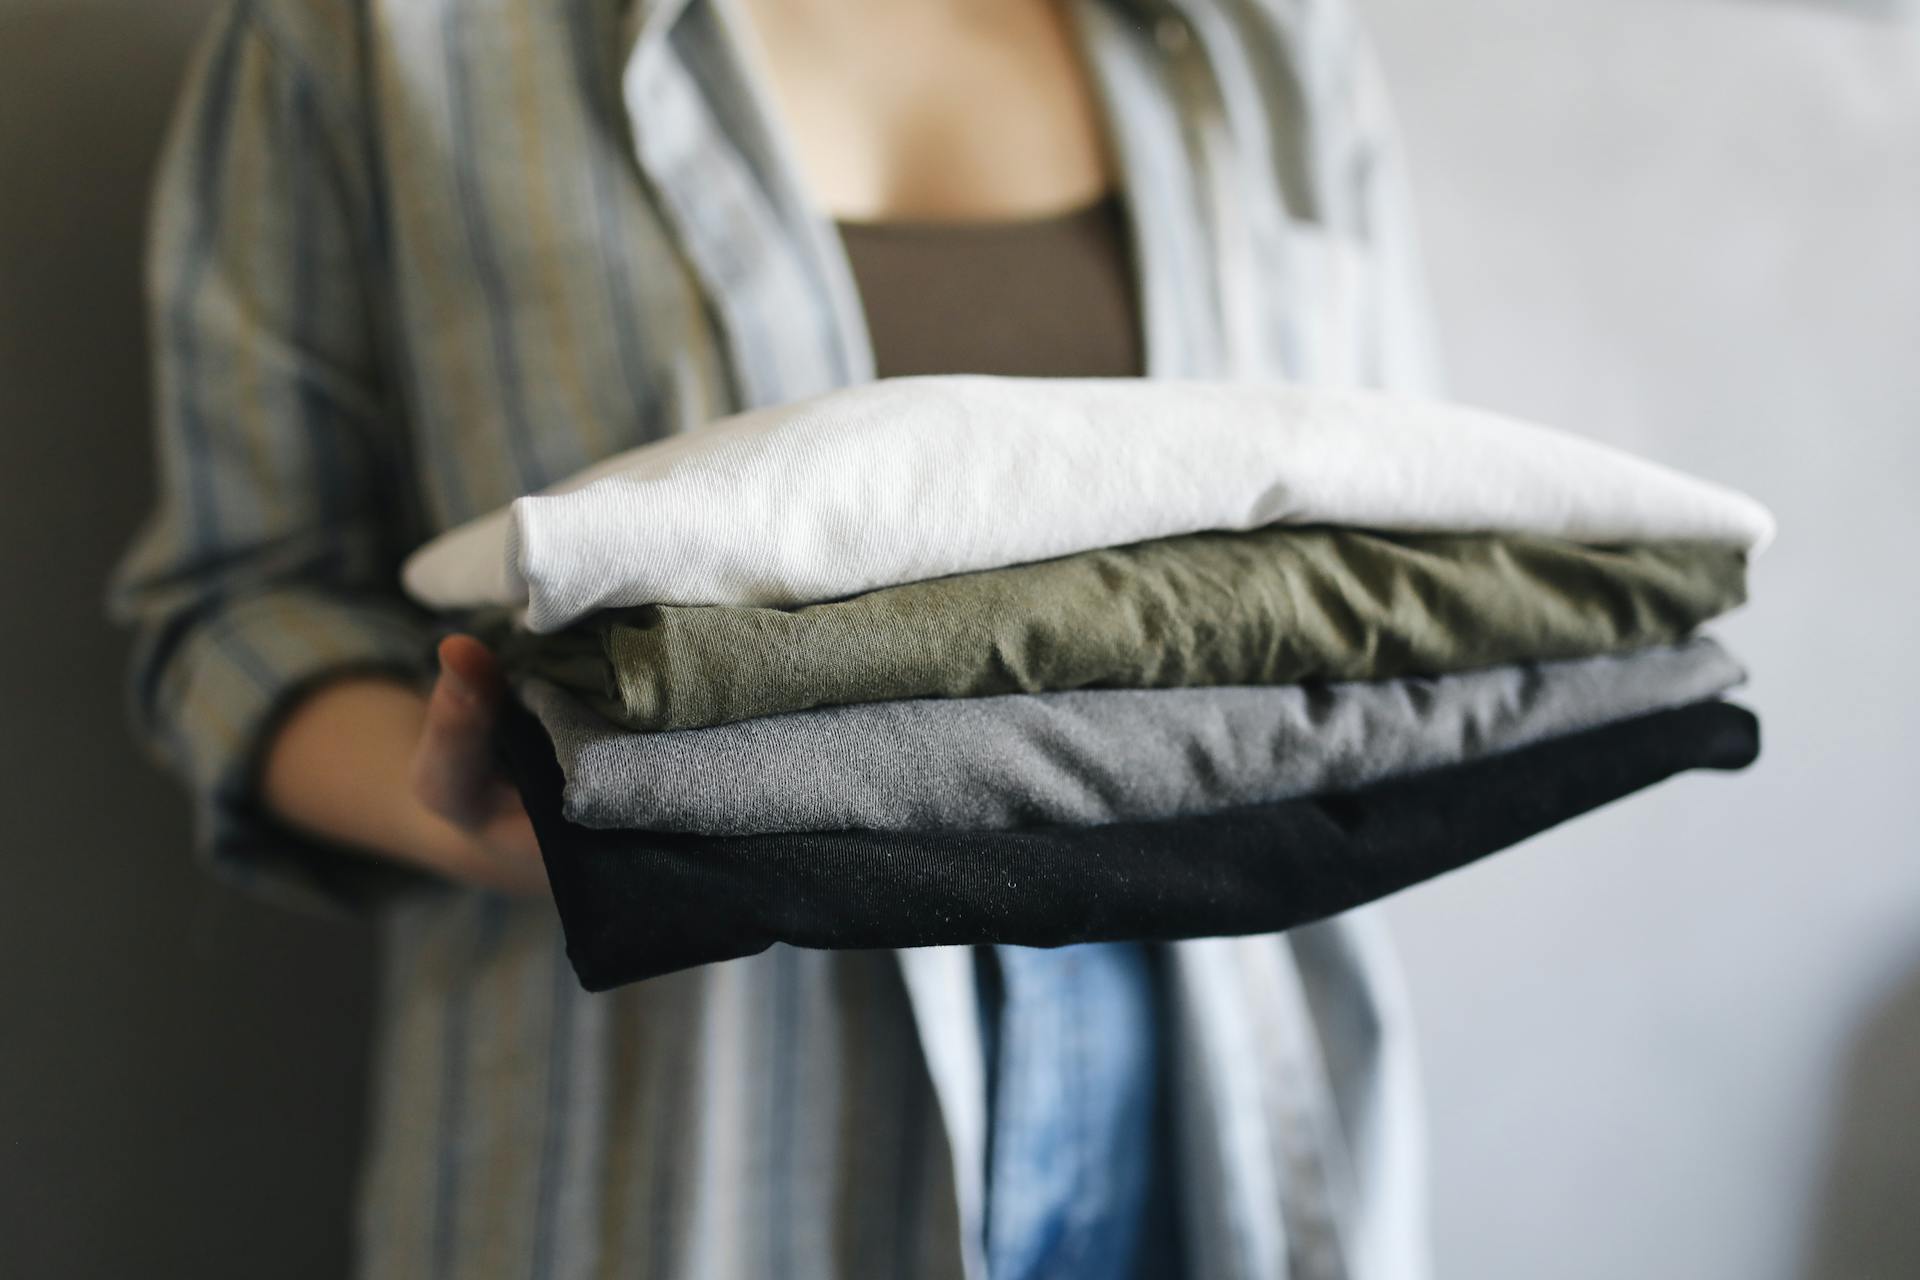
{"x": 589, "y": 248}
{"x": 933, "y": 111}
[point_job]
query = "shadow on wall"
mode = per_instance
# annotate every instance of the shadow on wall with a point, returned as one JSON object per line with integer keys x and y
{"x": 180, "y": 1070}
{"x": 1867, "y": 1222}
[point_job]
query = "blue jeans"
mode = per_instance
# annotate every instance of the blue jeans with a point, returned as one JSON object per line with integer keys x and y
{"x": 1077, "y": 1153}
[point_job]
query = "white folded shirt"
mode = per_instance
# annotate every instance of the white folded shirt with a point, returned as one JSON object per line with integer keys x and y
{"x": 913, "y": 478}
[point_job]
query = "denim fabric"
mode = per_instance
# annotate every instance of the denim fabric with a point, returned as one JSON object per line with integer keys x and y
{"x": 1075, "y": 1142}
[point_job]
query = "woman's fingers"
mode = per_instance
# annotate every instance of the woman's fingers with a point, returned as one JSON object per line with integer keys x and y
{"x": 453, "y": 774}
{"x": 475, "y": 665}
{"x": 453, "y": 765}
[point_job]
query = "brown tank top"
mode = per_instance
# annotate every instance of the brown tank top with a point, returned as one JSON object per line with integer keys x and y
{"x": 1041, "y": 297}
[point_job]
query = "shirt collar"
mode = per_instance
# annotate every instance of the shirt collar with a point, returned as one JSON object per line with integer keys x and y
{"x": 648, "y": 20}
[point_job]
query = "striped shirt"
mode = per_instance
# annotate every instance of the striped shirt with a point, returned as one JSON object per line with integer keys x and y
{"x": 412, "y": 258}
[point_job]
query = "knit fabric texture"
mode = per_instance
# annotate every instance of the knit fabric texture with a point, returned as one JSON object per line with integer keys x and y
{"x": 638, "y": 904}
{"x": 905, "y": 479}
{"x": 1092, "y": 756}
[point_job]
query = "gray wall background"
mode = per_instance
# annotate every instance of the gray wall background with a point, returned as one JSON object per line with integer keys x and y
{"x": 180, "y": 1070}
{"x": 1680, "y": 1039}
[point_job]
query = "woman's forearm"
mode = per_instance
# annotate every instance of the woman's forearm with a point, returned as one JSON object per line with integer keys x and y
{"x": 341, "y": 768}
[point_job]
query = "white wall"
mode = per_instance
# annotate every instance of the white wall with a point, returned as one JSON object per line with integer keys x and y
{"x": 1692, "y": 227}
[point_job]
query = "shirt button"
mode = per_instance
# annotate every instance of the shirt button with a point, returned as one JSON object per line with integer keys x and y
{"x": 1172, "y": 34}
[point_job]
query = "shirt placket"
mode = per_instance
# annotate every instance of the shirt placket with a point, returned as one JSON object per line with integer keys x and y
{"x": 786, "y": 308}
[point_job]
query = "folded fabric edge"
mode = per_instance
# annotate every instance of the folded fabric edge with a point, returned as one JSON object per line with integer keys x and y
{"x": 604, "y": 954}
{"x": 1709, "y": 671}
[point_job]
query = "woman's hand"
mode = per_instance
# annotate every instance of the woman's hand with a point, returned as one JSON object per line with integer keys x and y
{"x": 453, "y": 776}
{"x": 372, "y": 763}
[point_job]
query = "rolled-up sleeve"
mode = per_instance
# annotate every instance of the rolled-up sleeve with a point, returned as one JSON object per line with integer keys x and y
{"x": 269, "y": 562}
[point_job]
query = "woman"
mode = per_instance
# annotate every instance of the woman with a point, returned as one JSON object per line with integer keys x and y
{"x": 413, "y": 258}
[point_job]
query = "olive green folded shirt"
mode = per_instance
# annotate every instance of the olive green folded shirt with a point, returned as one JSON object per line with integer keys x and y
{"x": 1275, "y": 606}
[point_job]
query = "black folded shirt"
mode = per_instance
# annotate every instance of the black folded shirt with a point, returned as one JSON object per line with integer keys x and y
{"x": 637, "y": 904}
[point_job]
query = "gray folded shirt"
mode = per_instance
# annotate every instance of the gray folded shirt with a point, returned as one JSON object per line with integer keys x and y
{"x": 1089, "y": 756}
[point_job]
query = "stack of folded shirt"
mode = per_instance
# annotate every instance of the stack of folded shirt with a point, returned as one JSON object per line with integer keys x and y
{"x": 978, "y": 660}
